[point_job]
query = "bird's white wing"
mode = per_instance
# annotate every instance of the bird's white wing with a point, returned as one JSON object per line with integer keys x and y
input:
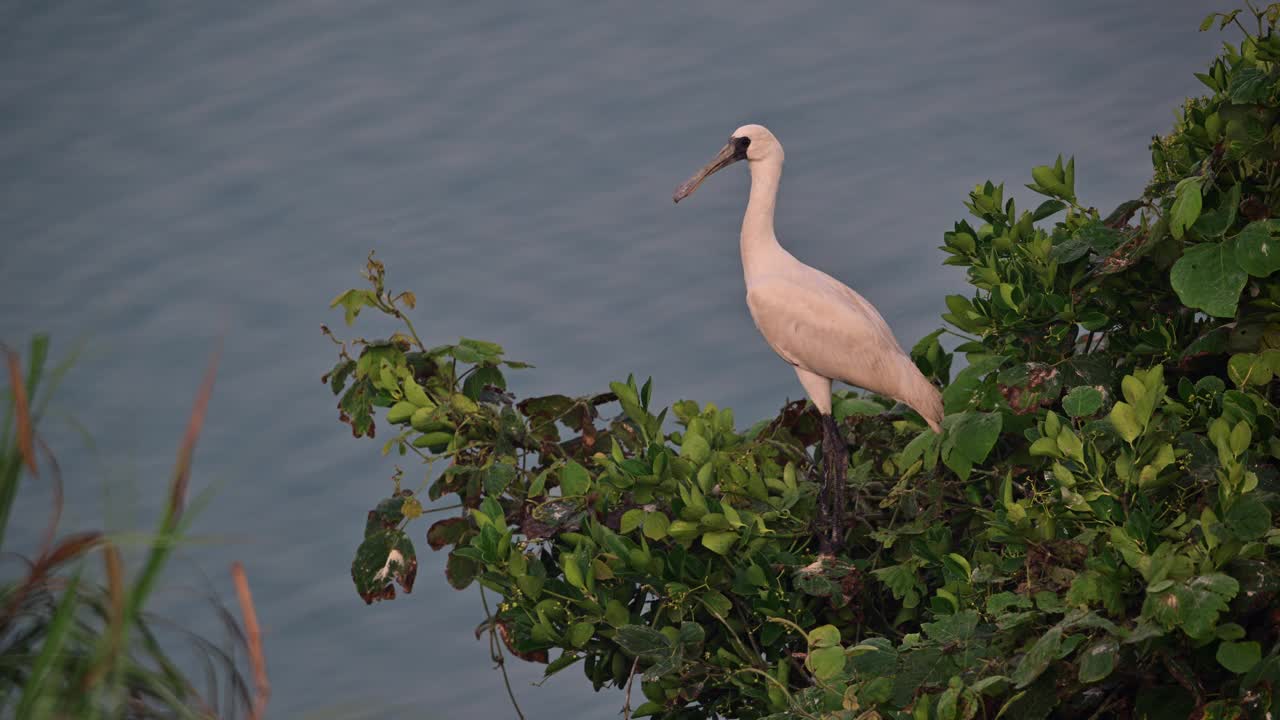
{"x": 817, "y": 323}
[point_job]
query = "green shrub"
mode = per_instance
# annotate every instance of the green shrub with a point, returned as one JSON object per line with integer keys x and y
{"x": 1090, "y": 536}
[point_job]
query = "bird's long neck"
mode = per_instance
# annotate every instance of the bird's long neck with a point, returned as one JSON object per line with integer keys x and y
{"x": 760, "y": 248}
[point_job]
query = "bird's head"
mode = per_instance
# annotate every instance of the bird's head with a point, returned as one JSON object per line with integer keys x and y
{"x": 753, "y": 143}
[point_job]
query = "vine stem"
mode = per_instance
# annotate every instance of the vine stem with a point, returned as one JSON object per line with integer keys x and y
{"x": 785, "y": 690}
{"x": 495, "y": 652}
{"x": 409, "y": 324}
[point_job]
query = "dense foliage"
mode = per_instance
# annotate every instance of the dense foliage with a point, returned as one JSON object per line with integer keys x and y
{"x": 1091, "y": 534}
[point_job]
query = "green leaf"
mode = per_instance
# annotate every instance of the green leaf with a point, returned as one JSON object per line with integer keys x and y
{"x": 975, "y": 433}
{"x": 683, "y": 530}
{"x": 1047, "y": 208}
{"x": 1229, "y": 631}
{"x": 574, "y": 479}
{"x": 1098, "y": 660}
{"x": 1070, "y": 445}
{"x": 580, "y": 634}
{"x": 1248, "y": 518}
{"x": 691, "y": 637}
{"x": 963, "y": 390}
{"x": 1072, "y": 248}
{"x": 616, "y": 614}
{"x": 1249, "y": 85}
{"x": 447, "y": 532}
{"x": 631, "y": 520}
{"x": 575, "y": 569}
{"x": 465, "y": 354}
{"x": 824, "y": 636}
{"x": 648, "y": 708}
{"x": 480, "y": 377}
{"x": 655, "y": 525}
{"x": 1186, "y": 205}
{"x": 643, "y": 641}
{"x": 352, "y": 301}
{"x": 1082, "y": 401}
{"x": 826, "y": 662}
{"x": 383, "y": 558}
{"x": 956, "y": 628}
{"x": 1207, "y": 277}
{"x": 630, "y": 402}
{"x": 1214, "y": 223}
{"x": 1125, "y": 421}
{"x": 461, "y": 571}
{"x": 719, "y": 542}
{"x": 488, "y": 349}
{"x": 565, "y": 660}
{"x": 1001, "y": 602}
{"x": 873, "y": 658}
{"x": 1102, "y": 239}
{"x": 1192, "y": 604}
{"x": 498, "y": 477}
{"x": 1257, "y": 250}
{"x": 900, "y": 579}
{"x": 1037, "y": 660}
{"x": 695, "y": 448}
{"x": 1248, "y": 369}
{"x": 845, "y": 407}
{"x": 1053, "y": 181}
{"x": 717, "y": 602}
{"x": 1239, "y": 657}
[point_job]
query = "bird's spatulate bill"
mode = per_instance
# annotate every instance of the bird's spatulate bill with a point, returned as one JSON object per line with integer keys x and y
{"x": 723, "y": 159}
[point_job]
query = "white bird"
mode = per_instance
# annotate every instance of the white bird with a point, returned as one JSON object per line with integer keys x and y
{"x": 813, "y": 321}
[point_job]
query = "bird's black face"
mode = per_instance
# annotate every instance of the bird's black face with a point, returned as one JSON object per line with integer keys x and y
{"x": 732, "y": 152}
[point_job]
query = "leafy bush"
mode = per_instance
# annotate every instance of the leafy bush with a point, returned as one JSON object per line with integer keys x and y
{"x": 1091, "y": 534}
{"x": 70, "y": 647}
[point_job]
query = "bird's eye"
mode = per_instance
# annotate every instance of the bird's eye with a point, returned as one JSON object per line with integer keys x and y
{"x": 740, "y": 145}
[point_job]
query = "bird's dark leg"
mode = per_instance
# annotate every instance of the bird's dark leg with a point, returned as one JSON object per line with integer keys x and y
{"x": 831, "y": 499}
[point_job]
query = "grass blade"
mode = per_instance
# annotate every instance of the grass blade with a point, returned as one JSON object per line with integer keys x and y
{"x": 109, "y": 643}
{"x": 59, "y": 627}
{"x": 35, "y": 363}
{"x": 261, "y": 684}
{"x": 23, "y": 411}
{"x": 164, "y": 540}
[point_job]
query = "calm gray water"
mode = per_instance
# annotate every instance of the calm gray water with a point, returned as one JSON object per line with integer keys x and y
{"x": 173, "y": 170}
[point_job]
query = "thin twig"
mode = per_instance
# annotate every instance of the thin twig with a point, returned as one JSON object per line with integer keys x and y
{"x": 1236, "y": 20}
{"x": 626, "y": 706}
{"x": 495, "y": 652}
{"x": 253, "y": 638}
